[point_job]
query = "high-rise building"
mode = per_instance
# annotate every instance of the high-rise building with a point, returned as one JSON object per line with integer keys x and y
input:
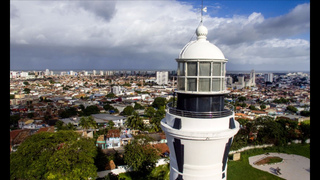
{"x": 268, "y": 77}
{"x": 47, "y": 72}
{"x": 241, "y": 80}
{"x": 162, "y": 77}
{"x": 252, "y": 81}
{"x": 200, "y": 128}
{"x": 229, "y": 80}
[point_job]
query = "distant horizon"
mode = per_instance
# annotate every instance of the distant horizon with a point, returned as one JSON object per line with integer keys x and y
{"x": 248, "y": 70}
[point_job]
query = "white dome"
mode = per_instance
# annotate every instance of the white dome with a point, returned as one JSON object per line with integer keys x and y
{"x": 201, "y": 48}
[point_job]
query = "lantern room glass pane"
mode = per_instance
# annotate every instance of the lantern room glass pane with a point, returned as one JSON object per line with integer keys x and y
{"x": 204, "y": 84}
{"x": 223, "y": 69}
{"x": 181, "y": 83}
{"x": 216, "y": 69}
{"x": 204, "y": 68}
{"x": 223, "y": 84}
{"x": 191, "y": 84}
{"x": 192, "y": 68}
{"x": 180, "y": 69}
{"x": 216, "y": 84}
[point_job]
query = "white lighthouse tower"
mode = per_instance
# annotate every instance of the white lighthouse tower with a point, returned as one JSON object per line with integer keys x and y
{"x": 199, "y": 127}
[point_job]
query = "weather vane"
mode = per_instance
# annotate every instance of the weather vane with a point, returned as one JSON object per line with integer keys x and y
{"x": 202, "y": 10}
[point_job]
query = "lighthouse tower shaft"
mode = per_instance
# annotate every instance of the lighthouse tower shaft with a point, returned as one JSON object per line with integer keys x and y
{"x": 199, "y": 127}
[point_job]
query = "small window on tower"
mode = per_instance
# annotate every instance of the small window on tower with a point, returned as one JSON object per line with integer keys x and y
{"x": 216, "y": 69}
{"x": 191, "y": 84}
{"x": 192, "y": 69}
{"x": 181, "y": 82}
{"x": 204, "y": 84}
{"x": 181, "y": 69}
{"x": 216, "y": 84}
{"x": 204, "y": 68}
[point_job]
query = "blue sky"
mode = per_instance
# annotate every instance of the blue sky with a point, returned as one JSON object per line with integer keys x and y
{"x": 67, "y": 35}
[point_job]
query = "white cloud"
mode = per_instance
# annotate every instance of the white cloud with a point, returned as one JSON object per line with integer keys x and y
{"x": 271, "y": 51}
{"x": 150, "y": 33}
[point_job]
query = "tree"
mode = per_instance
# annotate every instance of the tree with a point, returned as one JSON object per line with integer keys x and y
{"x": 242, "y": 98}
{"x": 60, "y": 126}
{"x": 128, "y": 111}
{"x": 73, "y": 160}
{"x": 26, "y": 83}
{"x": 252, "y": 107}
{"x": 305, "y": 131}
{"x": 141, "y": 156}
{"x": 150, "y": 112}
{"x": 59, "y": 155}
{"x": 135, "y": 122}
{"x": 110, "y": 124}
{"x": 155, "y": 121}
{"x": 292, "y": 109}
{"x": 91, "y": 110}
{"x": 138, "y": 106}
{"x": 270, "y": 131}
{"x": 158, "y": 102}
{"x": 110, "y": 95}
{"x": 87, "y": 122}
{"x": 110, "y": 108}
{"x": 26, "y": 90}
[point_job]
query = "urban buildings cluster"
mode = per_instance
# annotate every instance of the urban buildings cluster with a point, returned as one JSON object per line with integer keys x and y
{"x": 75, "y": 88}
{"x": 39, "y": 98}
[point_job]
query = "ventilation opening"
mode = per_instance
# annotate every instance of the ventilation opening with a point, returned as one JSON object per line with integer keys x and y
{"x": 226, "y": 152}
{"x": 179, "y": 152}
{"x": 231, "y": 123}
{"x": 177, "y": 123}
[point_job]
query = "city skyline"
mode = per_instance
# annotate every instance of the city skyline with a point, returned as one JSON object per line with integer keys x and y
{"x": 262, "y": 35}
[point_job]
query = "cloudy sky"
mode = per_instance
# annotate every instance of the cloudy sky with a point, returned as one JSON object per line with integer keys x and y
{"x": 149, "y": 34}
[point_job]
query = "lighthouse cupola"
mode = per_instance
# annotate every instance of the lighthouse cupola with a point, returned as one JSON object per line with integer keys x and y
{"x": 199, "y": 128}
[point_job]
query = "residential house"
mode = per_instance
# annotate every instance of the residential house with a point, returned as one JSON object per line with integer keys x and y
{"x": 101, "y": 142}
{"x": 113, "y": 138}
{"x": 17, "y": 137}
{"x": 102, "y": 119}
{"x": 125, "y": 139}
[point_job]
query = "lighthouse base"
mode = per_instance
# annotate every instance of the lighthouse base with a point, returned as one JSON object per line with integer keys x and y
{"x": 198, "y": 152}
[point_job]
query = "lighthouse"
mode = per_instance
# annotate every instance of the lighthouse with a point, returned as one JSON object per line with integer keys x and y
{"x": 199, "y": 127}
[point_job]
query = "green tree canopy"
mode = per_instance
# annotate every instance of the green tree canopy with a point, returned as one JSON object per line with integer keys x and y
{"x": 242, "y": 98}
{"x": 93, "y": 109}
{"x": 155, "y": 121}
{"x": 135, "y": 122}
{"x": 141, "y": 156}
{"x": 110, "y": 95}
{"x": 128, "y": 111}
{"x": 110, "y": 108}
{"x": 158, "y": 102}
{"x": 87, "y": 122}
{"x": 138, "y": 106}
{"x": 150, "y": 112}
{"x": 60, "y": 155}
{"x": 292, "y": 109}
{"x": 26, "y": 90}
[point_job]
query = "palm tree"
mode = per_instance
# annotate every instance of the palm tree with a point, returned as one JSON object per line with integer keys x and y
{"x": 84, "y": 123}
{"x": 135, "y": 122}
{"x": 92, "y": 123}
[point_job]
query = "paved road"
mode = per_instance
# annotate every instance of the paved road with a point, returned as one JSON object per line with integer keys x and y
{"x": 293, "y": 167}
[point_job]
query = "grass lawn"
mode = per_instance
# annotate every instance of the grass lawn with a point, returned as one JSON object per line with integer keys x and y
{"x": 241, "y": 169}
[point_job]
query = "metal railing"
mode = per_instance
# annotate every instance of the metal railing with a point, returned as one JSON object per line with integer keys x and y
{"x": 228, "y": 110}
